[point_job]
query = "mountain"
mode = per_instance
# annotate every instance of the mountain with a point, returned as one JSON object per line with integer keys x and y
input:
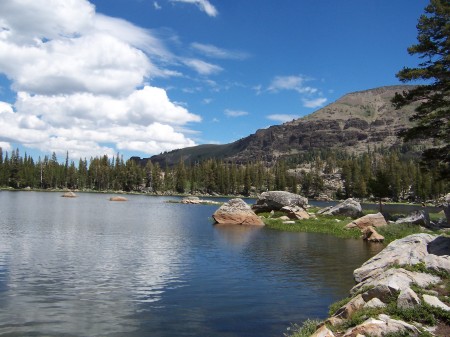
{"x": 353, "y": 123}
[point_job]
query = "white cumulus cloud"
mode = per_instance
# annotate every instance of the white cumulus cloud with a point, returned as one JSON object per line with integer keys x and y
{"x": 81, "y": 80}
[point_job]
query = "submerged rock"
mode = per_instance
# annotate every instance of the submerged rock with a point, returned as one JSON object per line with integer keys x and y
{"x": 118, "y": 198}
{"x": 69, "y": 195}
{"x": 237, "y": 212}
{"x": 371, "y": 235}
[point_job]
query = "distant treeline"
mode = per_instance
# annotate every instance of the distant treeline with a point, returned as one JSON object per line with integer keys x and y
{"x": 387, "y": 174}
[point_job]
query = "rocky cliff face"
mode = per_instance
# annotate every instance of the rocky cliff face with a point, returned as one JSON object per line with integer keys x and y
{"x": 352, "y": 123}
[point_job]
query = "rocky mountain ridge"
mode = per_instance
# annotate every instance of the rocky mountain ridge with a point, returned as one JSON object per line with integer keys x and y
{"x": 353, "y": 123}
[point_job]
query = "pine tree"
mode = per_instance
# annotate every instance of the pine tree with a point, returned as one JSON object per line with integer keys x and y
{"x": 433, "y": 110}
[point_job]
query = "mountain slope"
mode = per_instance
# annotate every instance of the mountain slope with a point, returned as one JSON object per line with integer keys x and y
{"x": 352, "y": 123}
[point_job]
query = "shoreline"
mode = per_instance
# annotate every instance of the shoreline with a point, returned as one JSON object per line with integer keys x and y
{"x": 436, "y": 203}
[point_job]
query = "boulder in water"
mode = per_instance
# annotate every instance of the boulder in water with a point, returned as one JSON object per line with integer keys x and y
{"x": 237, "y": 212}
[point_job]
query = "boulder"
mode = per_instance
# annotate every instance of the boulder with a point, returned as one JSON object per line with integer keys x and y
{"x": 276, "y": 200}
{"x": 323, "y": 331}
{"x": 407, "y": 299}
{"x": 295, "y": 212}
{"x": 237, "y": 212}
{"x": 374, "y": 303}
{"x": 352, "y": 306}
{"x": 69, "y": 195}
{"x": 409, "y": 250}
{"x": 382, "y": 326}
{"x": 382, "y": 292}
{"x": 349, "y": 207}
{"x": 396, "y": 279}
{"x": 435, "y": 302}
{"x": 373, "y": 220}
{"x": 420, "y": 218}
{"x": 371, "y": 235}
{"x": 118, "y": 198}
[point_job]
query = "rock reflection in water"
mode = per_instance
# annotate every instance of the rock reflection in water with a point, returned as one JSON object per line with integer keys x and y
{"x": 236, "y": 236}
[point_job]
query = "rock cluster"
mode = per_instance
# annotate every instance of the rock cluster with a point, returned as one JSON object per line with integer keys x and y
{"x": 237, "y": 212}
{"x": 367, "y": 225}
{"x": 382, "y": 280}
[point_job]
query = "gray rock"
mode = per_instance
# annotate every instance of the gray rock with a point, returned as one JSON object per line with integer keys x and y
{"x": 435, "y": 302}
{"x": 348, "y": 309}
{"x": 374, "y": 303}
{"x": 407, "y": 299}
{"x": 382, "y": 326}
{"x": 410, "y": 250}
{"x": 276, "y": 200}
{"x": 382, "y": 292}
{"x": 349, "y": 207}
{"x": 396, "y": 279}
{"x": 416, "y": 218}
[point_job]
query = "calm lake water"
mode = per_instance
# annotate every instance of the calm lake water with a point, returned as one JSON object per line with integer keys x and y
{"x": 91, "y": 267}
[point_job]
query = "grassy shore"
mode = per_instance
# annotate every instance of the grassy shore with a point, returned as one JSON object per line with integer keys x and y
{"x": 335, "y": 225}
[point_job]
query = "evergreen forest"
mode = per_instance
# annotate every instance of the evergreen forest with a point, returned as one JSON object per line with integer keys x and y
{"x": 375, "y": 174}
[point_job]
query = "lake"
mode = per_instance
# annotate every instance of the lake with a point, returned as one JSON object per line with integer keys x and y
{"x": 91, "y": 267}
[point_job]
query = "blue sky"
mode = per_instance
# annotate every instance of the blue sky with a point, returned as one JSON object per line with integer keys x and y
{"x": 140, "y": 77}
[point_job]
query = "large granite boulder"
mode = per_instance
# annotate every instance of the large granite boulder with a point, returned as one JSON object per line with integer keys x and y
{"x": 349, "y": 207}
{"x": 396, "y": 279}
{"x": 276, "y": 200}
{"x": 237, "y": 212}
{"x": 424, "y": 248}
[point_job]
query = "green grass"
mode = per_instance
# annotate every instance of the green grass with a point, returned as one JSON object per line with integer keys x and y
{"x": 305, "y": 330}
{"x": 393, "y": 232}
{"x": 322, "y": 224}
